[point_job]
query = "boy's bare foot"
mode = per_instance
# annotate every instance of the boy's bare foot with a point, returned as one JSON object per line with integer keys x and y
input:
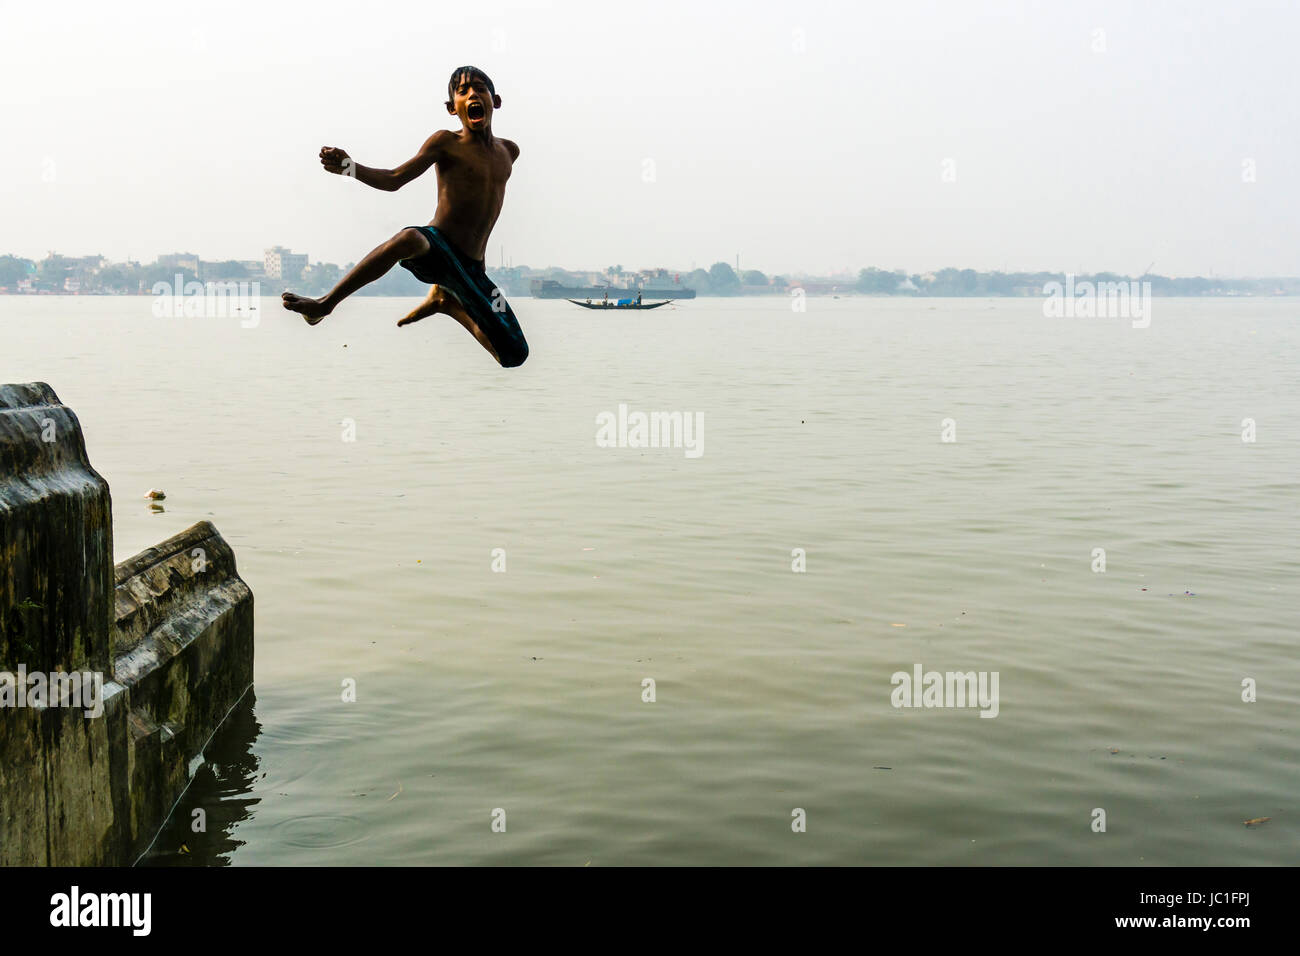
{"x": 313, "y": 310}
{"x": 438, "y": 300}
{"x": 444, "y": 301}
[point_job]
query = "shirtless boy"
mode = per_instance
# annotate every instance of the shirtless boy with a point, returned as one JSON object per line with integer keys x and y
{"x": 473, "y": 166}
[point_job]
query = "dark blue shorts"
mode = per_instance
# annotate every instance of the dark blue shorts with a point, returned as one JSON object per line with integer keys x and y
{"x": 446, "y": 266}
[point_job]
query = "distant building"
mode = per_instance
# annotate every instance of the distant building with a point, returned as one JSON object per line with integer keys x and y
{"x": 88, "y": 264}
{"x": 283, "y": 264}
{"x": 84, "y": 263}
{"x": 180, "y": 260}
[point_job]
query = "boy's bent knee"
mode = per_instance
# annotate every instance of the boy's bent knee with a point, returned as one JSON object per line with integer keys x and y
{"x": 514, "y": 357}
{"x": 409, "y": 242}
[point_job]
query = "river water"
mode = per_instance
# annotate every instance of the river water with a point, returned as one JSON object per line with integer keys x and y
{"x": 506, "y": 594}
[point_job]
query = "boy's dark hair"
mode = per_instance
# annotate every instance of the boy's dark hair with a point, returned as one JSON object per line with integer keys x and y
{"x": 474, "y": 73}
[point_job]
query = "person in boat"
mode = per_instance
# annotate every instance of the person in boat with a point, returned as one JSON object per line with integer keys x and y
{"x": 638, "y": 298}
{"x": 472, "y": 167}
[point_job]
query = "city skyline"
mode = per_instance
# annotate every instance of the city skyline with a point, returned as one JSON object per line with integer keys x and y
{"x": 174, "y": 258}
{"x": 283, "y": 269}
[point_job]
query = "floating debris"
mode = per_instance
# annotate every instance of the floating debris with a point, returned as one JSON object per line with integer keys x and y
{"x": 1257, "y": 821}
{"x": 156, "y": 494}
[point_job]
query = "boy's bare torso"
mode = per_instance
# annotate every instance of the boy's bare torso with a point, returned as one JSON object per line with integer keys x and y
{"x": 472, "y": 178}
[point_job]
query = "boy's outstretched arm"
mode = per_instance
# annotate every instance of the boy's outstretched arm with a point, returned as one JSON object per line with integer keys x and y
{"x": 337, "y": 161}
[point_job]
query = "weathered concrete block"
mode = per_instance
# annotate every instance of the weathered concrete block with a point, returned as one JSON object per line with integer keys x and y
{"x": 84, "y": 797}
{"x": 23, "y": 786}
{"x": 183, "y": 652}
{"x": 56, "y": 538}
{"x": 173, "y": 650}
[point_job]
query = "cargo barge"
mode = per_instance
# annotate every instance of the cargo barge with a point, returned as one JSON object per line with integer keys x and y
{"x": 550, "y": 289}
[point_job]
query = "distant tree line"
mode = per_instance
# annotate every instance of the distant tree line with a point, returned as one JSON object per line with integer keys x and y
{"x": 720, "y": 279}
{"x": 969, "y": 282}
{"x": 51, "y": 273}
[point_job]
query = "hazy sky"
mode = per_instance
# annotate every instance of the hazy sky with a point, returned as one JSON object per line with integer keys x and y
{"x": 801, "y": 135}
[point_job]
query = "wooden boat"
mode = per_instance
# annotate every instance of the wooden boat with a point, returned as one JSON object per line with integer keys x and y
{"x": 621, "y": 304}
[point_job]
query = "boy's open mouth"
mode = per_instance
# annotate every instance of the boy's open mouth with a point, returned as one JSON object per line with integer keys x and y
{"x": 475, "y": 111}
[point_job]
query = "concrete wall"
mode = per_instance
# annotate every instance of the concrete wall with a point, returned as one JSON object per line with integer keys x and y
{"x": 56, "y": 537}
{"x": 170, "y": 631}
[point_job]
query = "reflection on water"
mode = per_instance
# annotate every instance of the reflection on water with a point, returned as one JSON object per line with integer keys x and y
{"x": 221, "y": 789}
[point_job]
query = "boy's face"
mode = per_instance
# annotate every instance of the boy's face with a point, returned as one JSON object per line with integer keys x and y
{"x": 473, "y": 103}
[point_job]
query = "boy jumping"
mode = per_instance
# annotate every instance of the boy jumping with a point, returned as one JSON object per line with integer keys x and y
{"x": 473, "y": 166}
